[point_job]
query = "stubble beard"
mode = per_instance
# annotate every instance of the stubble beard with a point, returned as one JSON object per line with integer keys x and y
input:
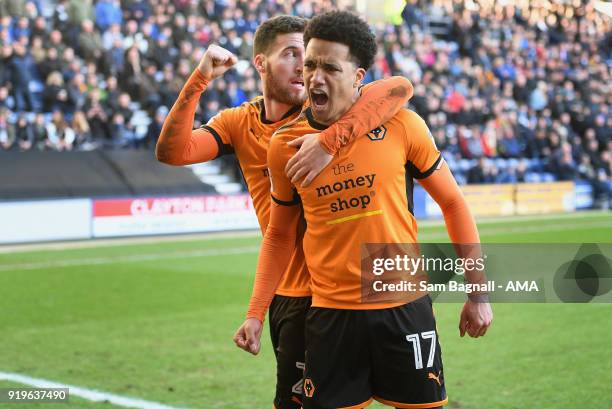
{"x": 281, "y": 92}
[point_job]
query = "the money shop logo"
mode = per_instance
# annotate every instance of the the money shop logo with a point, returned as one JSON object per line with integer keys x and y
{"x": 346, "y": 200}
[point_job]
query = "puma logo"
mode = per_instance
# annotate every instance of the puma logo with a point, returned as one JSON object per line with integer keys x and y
{"x": 434, "y": 377}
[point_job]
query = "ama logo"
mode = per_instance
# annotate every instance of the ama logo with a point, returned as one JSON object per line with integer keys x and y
{"x": 377, "y": 134}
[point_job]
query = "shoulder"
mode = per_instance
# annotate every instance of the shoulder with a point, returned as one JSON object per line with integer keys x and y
{"x": 253, "y": 106}
{"x": 408, "y": 117}
{"x": 292, "y": 130}
{"x": 278, "y": 143}
{"x": 234, "y": 116}
{"x": 409, "y": 121}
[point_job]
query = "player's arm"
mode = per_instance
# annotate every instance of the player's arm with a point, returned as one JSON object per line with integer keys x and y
{"x": 428, "y": 167}
{"x": 476, "y": 315}
{"x": 179, "y": 144}
{"x": 274, "y": 256}
{"x": 276, "y": 249}
{"x": 379, "y": 102}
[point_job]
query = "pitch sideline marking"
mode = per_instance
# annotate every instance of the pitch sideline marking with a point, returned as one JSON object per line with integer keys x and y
{"x": 88, "y": 394}
{"x": 130, "y": 258}
{"x": 423, "y": 237}
{"x": 525, "y": 229}
{"x": 120, "y": 241}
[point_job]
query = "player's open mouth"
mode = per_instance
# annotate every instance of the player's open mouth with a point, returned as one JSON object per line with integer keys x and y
{"x": 318, "y": 98}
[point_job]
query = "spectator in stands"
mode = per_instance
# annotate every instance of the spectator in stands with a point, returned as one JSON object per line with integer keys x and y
{"x": 90, "y": 42}
{"x": 585, "y": 169}
{"x": 139, "y": 10}
{"x": 21, "y": 29}
{"x": 71, "y": 64}
{"x": 22, "y": 68}
{"x": 77, "y": 93}
{"x": 563, "y": 164}
{"x": 61, "y": 136}
{"x": 7, "y": 131}
{"x": 162, "y": 53}
{"x": 513, "y": 81}
{"x": 108, "y": 13}
{"x": 538, "y": 99}
{"x": 132, "y": 71}
{"x": 115, "y": 57}
{"x": 122, "y": 134}
{"x": 470, "y": 142}
{"x": 602, "y": 189}
{"x": 603, "y": 128}
{"x": 481, "y": 173}
{"x": 210, "y": 109}
{"x": 521, "y": 171}
{"x": 39, "y": 27}
{"x": 9, "y": 8}
{"x": 37, "y": 50}
{"x": 170, "y": 86}
{"x": 82, "y": 132}
{"x": 50, "y": 63}
{"x": 510, "y": 146}
{"x": 236, "y": 95}
{"x": 79, "y": 11}
{"x": 55, "y": 95}
{"x": 98, "y": 116}
{"x": 24, "y": 134}
{"x": 123, "y": 106}
{"x": 112, "y": 36}
{"x": 60, "y": 15}
{"x": 56, "y": 41}
{"x": 155, "y": 127}
{"x": 592, "y": 150}
{"x": 6, "y": 100}
{"x": 39, "y": 129}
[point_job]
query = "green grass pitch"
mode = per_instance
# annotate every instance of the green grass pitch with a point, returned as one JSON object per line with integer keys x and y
{"x": 154, "y": 320}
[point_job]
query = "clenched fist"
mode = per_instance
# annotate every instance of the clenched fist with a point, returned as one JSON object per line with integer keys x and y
{"x": 215, "y": 61}
{"x": 248, "y": 336}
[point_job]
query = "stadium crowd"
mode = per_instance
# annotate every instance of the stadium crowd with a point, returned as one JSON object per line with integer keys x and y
{"x": 512, "y": 91}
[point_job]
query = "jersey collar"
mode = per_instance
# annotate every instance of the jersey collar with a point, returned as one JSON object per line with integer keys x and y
{"x": 262, "y": 113}
{"x": 311, "y": 121}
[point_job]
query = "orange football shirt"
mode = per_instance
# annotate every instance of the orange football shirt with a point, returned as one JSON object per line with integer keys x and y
{"x": 360, "y": 197}
{"x": 245, "y": 131}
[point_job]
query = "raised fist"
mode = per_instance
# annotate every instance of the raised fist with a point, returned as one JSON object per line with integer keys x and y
{"x": 215, "y": 61}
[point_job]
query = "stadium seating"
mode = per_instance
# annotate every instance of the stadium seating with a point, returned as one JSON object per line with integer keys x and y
{"x": 471, "y": 81}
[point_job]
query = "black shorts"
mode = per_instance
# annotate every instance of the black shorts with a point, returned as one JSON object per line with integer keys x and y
{"x": 287, "y": 322}
{"x": 391, "y": 355}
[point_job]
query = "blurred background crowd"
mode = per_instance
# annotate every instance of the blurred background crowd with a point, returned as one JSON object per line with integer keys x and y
{"x": 512, "y": 91}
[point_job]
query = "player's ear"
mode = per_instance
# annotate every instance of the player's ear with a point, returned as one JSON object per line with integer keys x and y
{"x": 359, "y": 76}
{"x": 259, "y": 61}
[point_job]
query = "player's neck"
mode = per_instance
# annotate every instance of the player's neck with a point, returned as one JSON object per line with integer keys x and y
{"x": 275, "y": 110}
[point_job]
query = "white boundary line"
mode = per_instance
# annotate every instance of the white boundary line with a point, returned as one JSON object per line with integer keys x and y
{"x": 523, "y": 218}
{"x": 119, "y": 241}
{"x": 91, "y": 261}
{"x": 489, "y": 231}
{"x": 88, "y": 394}
{"x": 424, "y": 236}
